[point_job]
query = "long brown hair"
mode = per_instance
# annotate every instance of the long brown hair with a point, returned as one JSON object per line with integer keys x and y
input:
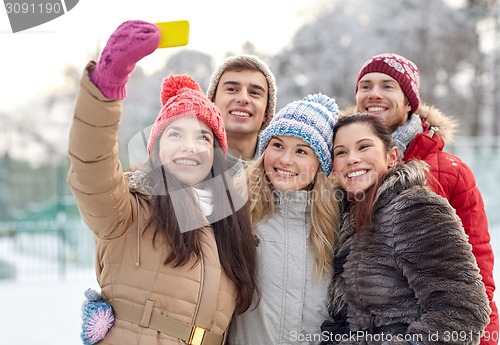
{"x": 363, "y": 205}
{"x": 233, "y": 233}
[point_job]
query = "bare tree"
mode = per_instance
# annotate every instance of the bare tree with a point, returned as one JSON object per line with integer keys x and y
{"x": 327, "y": 53}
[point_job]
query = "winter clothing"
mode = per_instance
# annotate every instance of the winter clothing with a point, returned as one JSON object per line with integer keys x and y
{"x": 403, "y": 70}
{"x": 97, "y": 318}
{"x": 454, "y": 180}
{"x": 181, "y": 95}
{"x": 411, "y": 271}
{"x": 312, "y": 120}
{"x": 261, "y": 66}
{"x": 118, "y": 211}
{"x": 119, "y": 57}
{"x": 404, "y": 134}
{"x": 456, "y": 183}
{"x": 293, "y": 298}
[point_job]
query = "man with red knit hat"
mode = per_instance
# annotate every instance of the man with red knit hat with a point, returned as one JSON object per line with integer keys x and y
{"x": 388, "y": 86}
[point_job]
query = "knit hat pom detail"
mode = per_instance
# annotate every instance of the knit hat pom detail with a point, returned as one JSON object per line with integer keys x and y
{"x": 180, "y": 96}
{"x": 174, "y": 85}
{"x": 327, "y": 102}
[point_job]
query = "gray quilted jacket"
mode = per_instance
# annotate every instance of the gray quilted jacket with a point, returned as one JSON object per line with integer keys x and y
{"x": 293, "y": 298}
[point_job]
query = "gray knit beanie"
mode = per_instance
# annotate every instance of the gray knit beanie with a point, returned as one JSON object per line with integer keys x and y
{"x": 233, "y": 63}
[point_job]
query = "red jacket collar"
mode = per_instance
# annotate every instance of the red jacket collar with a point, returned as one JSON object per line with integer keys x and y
{"x": 424, "y": 143}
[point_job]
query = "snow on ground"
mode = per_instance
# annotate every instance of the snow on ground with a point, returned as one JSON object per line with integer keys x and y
{"x": 42, "y": 313}
{"x": 42, "y": 305}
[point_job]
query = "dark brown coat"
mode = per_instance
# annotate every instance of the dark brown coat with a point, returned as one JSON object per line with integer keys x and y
{"x": 414, "y": 267}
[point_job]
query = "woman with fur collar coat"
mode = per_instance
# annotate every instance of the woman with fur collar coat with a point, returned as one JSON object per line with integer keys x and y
{"x": 424, "y": 137}
{"x": 404, "y": 270}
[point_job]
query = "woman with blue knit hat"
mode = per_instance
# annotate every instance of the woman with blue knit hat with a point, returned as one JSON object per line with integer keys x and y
{"x": 295, "y": 216}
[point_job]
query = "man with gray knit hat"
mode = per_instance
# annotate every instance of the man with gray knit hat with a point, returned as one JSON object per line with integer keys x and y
{"x": 244, "y": 89}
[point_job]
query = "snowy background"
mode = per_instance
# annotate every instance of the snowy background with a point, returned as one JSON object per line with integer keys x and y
{"x": 43, "y": 313}
{"x": 41, "y": 305}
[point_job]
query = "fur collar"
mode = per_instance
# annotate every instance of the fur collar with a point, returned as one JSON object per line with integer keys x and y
{"x": 139, "y": 182}
{"x": 446, "y": 125}
{"x": 401, "y": 177}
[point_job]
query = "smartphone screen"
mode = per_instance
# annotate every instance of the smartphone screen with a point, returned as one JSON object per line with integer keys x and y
{"x": 173, "y": 34}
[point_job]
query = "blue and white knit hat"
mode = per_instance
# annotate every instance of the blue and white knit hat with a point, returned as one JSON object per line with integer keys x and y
{"x": 310, "y": 119}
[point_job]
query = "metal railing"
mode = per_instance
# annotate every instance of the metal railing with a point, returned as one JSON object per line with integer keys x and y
{"x": 45, "y": 250}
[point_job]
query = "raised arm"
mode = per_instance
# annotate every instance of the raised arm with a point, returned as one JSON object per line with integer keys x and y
{"x": 95, "y": 175}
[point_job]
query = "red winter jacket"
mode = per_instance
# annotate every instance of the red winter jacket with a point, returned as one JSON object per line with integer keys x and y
{"x": 456, "y": 183}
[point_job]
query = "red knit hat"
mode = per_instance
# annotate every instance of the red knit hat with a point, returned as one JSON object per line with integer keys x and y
{"x": 404, "y": 71}
{"x": 181, "y": 95}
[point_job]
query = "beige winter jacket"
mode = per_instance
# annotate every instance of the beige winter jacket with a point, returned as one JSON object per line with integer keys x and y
{"x": 129, "y": 267}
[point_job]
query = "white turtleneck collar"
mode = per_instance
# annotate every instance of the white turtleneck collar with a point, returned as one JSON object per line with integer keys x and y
{"x": 205, "y": 198}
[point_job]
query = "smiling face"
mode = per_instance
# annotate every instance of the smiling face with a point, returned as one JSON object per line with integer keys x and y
{"x": 187, "y": 149}
{"x": 380, "y": 94}
{"x": 360, "y": 158}
{"x": 241, "y": 97}
{"x": 290, "y": 163}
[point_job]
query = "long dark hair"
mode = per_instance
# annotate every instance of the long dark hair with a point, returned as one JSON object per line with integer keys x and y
{"x": 363, "y": 205}
{"x": 233, "y": 232}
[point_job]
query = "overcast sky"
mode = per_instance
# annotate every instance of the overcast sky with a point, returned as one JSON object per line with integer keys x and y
{"x": 32, "y": 60}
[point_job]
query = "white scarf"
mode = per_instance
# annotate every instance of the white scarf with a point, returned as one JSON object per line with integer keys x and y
{"x": 205, "y": 198}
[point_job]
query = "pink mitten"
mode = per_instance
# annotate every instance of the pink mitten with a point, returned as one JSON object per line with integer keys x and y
{"x": 130, "y": 42}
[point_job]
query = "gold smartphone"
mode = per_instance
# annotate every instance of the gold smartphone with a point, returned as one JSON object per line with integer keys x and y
{"x": 173, "y": 34}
